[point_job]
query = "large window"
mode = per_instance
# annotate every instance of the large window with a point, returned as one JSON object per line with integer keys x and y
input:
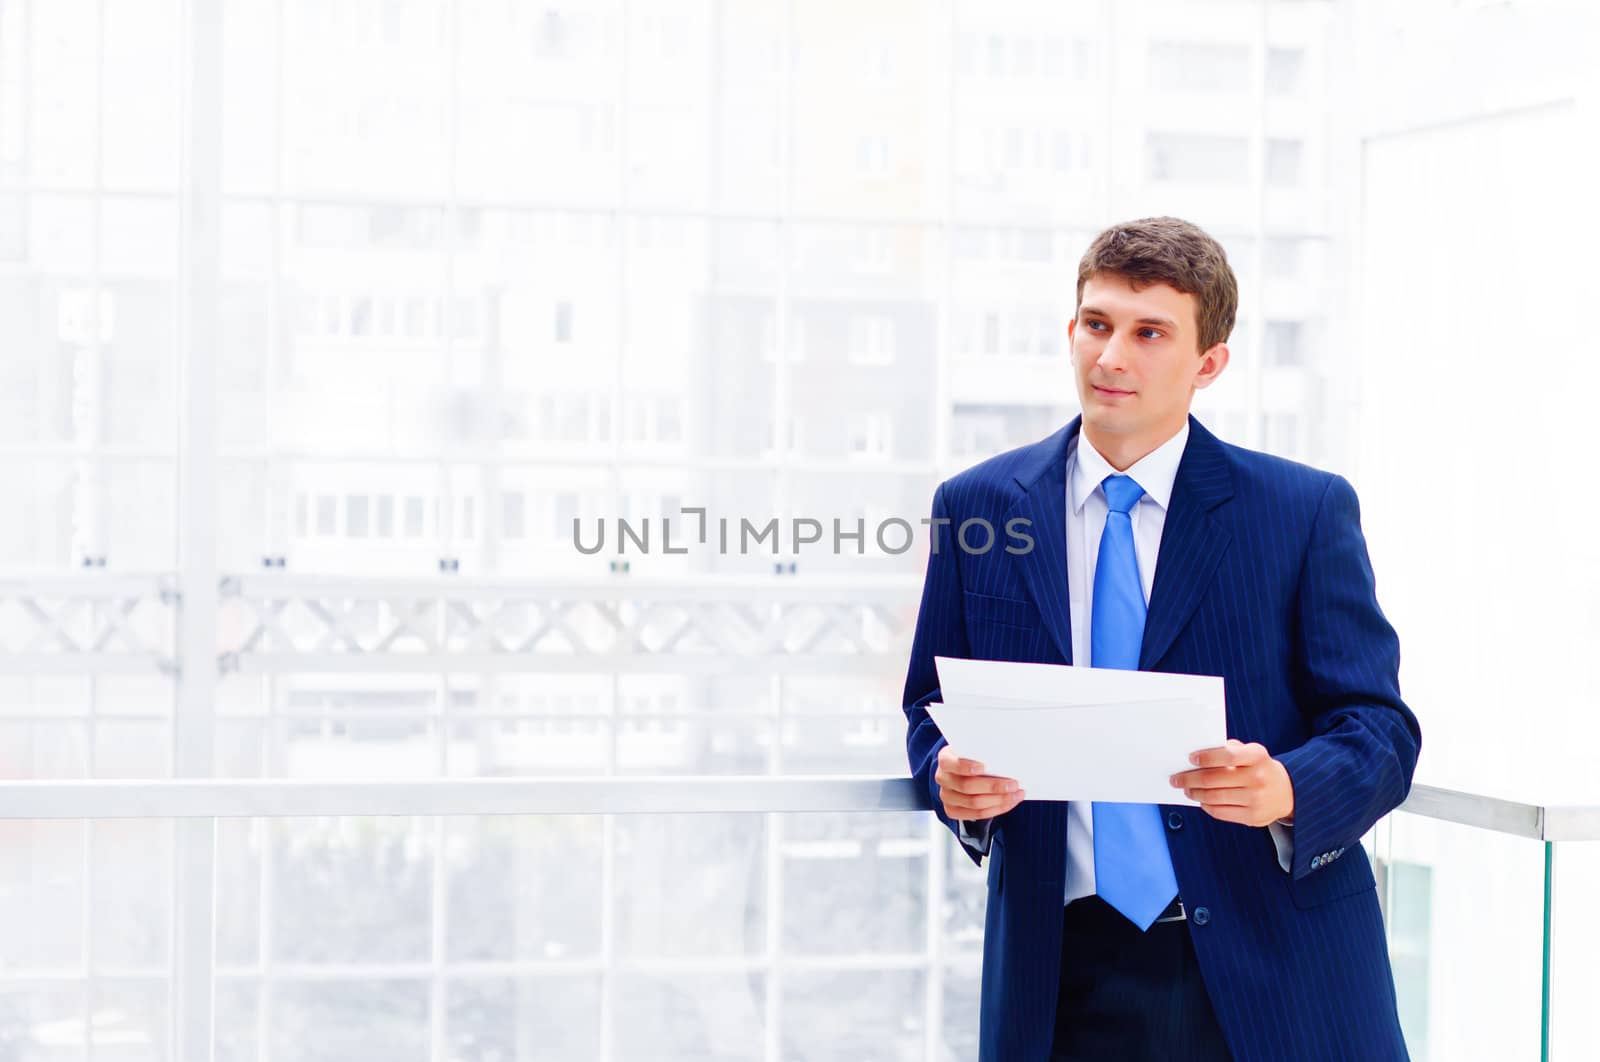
{"x": 482, "y": 273}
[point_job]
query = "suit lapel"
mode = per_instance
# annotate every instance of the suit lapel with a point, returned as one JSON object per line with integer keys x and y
{"x": 1044, "y": 505}
{"x": 1192, "y": 542}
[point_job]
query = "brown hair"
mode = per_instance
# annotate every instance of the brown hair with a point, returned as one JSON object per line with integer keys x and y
{"x": 1175, "y": 252}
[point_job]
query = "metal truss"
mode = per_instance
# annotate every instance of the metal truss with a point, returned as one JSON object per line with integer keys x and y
{"x": 108, "y": 624}
{"x": 279, "y": 623}
{"x": 87, "y": 624}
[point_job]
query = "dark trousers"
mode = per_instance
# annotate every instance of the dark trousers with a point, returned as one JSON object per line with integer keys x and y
{"x": 1131, "y": 996}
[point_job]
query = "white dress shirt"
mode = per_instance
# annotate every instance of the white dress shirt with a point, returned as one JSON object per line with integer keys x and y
{"x": 1086, "y": 520}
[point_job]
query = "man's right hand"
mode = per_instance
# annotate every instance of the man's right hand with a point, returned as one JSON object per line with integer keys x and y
{"x": 967, "y": 793}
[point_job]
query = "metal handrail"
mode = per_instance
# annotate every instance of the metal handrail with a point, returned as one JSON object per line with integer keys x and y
{"x": 640, "y": 795}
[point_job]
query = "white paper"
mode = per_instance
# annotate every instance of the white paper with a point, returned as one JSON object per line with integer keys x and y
{"x": 999, "y": 682}
{"x": 1078, "y": 733}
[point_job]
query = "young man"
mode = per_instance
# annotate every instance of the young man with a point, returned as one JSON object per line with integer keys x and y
{"x": 1248, "y": 928}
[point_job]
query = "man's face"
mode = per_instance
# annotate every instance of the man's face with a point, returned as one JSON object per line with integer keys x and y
{"x": 1136, "y": 358}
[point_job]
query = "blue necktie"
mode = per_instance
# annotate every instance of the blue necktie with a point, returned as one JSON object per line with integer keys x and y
{"x": 1132, "y": 869}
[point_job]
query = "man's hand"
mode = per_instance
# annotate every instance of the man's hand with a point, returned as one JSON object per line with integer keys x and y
{"x": 1238, "y": 783}
{"x": 968, "y": 793}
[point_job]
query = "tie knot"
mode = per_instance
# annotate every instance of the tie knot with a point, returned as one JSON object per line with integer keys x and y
{"x": 1122, "y": 493}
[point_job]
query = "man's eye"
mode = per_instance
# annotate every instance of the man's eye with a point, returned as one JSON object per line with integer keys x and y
{"x": 1153, "y": 333}
{"x": 1096, "y": 325}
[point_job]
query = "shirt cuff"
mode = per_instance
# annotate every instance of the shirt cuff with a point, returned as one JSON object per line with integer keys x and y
{"x": 1283, "y": 840}
{"x": 975, "y": 835}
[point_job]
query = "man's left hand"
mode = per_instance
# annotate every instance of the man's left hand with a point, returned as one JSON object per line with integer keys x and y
{"x": 1238, "y": 783}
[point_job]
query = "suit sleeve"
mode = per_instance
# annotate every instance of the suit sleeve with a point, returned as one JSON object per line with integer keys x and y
{"x": 1358, "y": 764}
{"x": 941, "y": 631}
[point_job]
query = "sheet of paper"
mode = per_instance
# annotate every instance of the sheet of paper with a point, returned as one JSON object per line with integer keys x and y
{"x": 1080, "y": 733}
{"x": 1085, "y": 751}
{"x": 999, "y": 682}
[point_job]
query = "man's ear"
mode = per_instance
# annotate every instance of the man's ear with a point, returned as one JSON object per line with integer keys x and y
{"x": 1212, "y": 362}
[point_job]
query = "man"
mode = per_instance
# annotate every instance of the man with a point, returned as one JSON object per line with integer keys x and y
{"x": 1248, "y": 928}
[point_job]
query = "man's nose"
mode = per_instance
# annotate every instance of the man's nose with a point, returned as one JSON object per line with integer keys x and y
{"x": 1110, "y": 358}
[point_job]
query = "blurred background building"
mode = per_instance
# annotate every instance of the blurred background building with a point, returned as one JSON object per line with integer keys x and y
{"x": 478, "y": 270}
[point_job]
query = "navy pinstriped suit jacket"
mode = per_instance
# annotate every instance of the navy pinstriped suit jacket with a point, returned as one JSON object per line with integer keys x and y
{"x": 1262, "y": 578}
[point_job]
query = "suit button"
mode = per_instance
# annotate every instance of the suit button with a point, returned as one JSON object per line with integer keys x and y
{"x": 1175, "y": 820}
{"x": 1201, "y": 916}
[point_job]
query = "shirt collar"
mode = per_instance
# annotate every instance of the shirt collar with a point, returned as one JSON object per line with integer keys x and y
{"x": 1155, "y": 471}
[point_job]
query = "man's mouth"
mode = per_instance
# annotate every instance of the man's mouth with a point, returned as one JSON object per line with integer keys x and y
{"x": 1110, "y": 392}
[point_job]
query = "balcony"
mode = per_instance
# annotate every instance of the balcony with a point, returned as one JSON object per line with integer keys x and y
{"x": 662, "y": 918}
{"x": 432, "y": 861}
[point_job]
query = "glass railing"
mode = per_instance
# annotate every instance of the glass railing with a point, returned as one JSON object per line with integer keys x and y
{"x": 650, "y": 918}
{"x": 1486, "y": 903}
